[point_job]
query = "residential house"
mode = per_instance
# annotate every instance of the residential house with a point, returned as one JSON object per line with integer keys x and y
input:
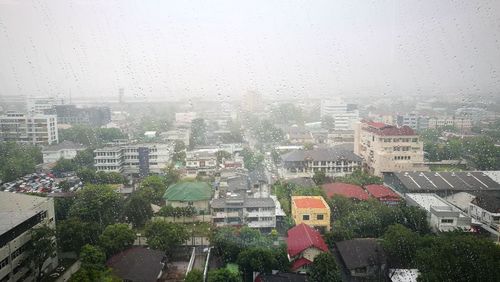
{"x": 189, "y": 194}
{"x": 19, "y": 214}
{"x": 200, "y": 163}
{"x": 64, "y": 150}
{"x": 312, "y": 210}
{"x": 138, "y": 264}
{"x": 344, "y": 189}
{"x": 362, "y": 259}
{"x": 441, "y": 215}
{"x": 384, "y": 194}
{"x": 304, "y": 163}
{"x": 387, "y": 148}
{"x": 303, "y": 245}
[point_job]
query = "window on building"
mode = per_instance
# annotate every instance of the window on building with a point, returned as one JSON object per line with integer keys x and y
{"x": 447, "y": 220}
{"x": 320, "y": 217}
{"x": 305, "y": 217}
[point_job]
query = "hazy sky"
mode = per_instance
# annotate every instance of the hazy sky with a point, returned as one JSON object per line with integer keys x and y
{"x": 295, "y": 48}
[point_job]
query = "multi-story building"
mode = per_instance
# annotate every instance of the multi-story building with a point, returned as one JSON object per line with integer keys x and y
{"x": 343, "y": 115}
{"x": 340, "y": 137}
{"x": 36, "y": 129}
{"x": 441, "y": 215}
{"x": 179, "y": 134}
{"x": 40, "y": 105}
{"x": 462, "y": 124}
{"x": 185, "y": 118}
{"x": 93, "y": 116}
{"x": 63, "y": 150}
{"x": 200, "y": 163}
{"x": 387, "y": 148}
{"x": 304, "y": 163}
{"x": 133, "y": 158}
{"x": 311, "y": 210}
{"x": 252, "y": 102}
{"x": 412, "y": 120}
{"x": 19, "y": 214}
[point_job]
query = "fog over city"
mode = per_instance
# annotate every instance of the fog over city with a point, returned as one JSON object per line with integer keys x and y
{"x": 178, "y": 49}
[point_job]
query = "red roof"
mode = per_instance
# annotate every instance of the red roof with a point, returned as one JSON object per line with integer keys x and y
{"x": 302, "y": 237}
{"x": 311, "y": 203}
{"x": 381, "y": 191}
{"x": 390, "y": 130}
{"x": 346, "y": 190}
{"x": 299, "y": 263}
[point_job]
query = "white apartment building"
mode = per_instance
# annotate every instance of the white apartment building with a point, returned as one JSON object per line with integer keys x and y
{"x": 200, "y": 163}
{"x": 40, "y": 104}
{"x": 441, "y": 215}
{"x": 36, "y": 129}
{"x": 387, "y": 148}
{"x": 237, "y": 210}
{"x": 462, "y": 124}
{"x": 337, "y": 109}
{"x": 133, "y": 158}
{"x": 19, "y": 214}
{"x": 63, "y": 150}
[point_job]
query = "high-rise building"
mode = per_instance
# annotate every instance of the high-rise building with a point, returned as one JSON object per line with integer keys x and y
{"x": 343, "y": 114}
{"x": 19, "y": 214}
{"x": 41, "y": 105}
{"x": 387, "y": 148}
{"x": 93, "y": 116}
{"x": 36, "y": 129}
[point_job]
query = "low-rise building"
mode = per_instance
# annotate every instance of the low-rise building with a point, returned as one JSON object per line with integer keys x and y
{"x": 64, "y": 150}
{"x": 362, "y": 259}
{"x": 384, "y": 194}
{"x": 441, "y": 215}
{"x": 19, "y": 214}
{"x": 200, "y": 163}
{"x": 344, "y": 189}
{"x": 304, "y": 163}
{"x": 180, "y": 134}
{"x": 462, "y": 124}
{"x": 340, "y": 137}
{"x": 304, "y": 244}
{"x": 387, "y": 148}
{"x": 189, "y": 194}
{"x": 311, "y": 210}
{"x": 297, "y": 135}
{"x": 485, "y": 207}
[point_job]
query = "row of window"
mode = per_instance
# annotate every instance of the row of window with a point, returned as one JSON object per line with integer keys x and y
{"x": 324, "y": 163}
{"x": 388, "y": 140}
{"x": 400, "y": 158}
{"x": 318, "y": 217}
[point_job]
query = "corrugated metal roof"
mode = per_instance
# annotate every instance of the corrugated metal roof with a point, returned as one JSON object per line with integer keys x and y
{"x": 188, "y": 192}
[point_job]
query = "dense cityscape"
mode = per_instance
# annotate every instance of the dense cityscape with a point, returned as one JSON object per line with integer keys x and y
{"x": 249, "y": 141}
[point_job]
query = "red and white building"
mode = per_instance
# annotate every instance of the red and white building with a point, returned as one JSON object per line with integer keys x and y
{"x": 304, "y": 244}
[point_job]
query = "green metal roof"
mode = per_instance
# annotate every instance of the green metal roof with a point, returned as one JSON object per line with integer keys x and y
{"x": 188, "y": 192}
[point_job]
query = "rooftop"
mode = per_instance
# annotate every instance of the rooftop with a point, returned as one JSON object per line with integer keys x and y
{"x": 331, "y": 154}
{"x": 243, "y": 202}
{"x": 309, "y": 202}
{"x": 427, "y": 200}
{"x": 16, "y": 208}
{"x": 381, "y": 191}
{"x": 358, "y": 253}
{"x": 302, "y": 237}
{"x": 137, "y": 264}
{"x": 488, "y": 200}
{"x": 64, "y": 145}
{"x": 301, "y": 181}
{"x": 383, "y": 129}
{"x": 346, "y": 190}
{"x": 188, "y": 192}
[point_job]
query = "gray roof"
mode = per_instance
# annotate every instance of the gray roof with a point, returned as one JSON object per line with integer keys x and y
{"x": 360, "y": 252}
{"x": 16, "y": 208}
{"x": 238, "y": 183}
{"x": 488, "y": 200}
{"x": 64, "y": 145}
{"x": 245, "y": 202}
{"x": 257, "y": 175}
{"x": 302, "y": 181}
{"x": 137, "y": 264}
{"x": 331, "y": 154}
{"x": 443, "y": 181}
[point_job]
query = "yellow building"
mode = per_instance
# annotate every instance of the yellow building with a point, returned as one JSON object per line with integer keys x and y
{"x": 311, "y": 210}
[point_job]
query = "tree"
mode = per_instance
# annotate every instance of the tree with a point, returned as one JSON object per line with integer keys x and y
{"x": 62, "y": 207}
{"x": 220, "y": 155}
{"x": 152, "y": 188}
{"x": 138, "y": 210}
{"x": 251, "y": 159}
{"x": 223, "y": 275}
{"x": 256, "y": 260}
{"x": 17, "y": 160}
{"x": 116, "y": 238}
{"x": 266, "y": 132}
{"x": 73, "y": 234}
{"x": 90, "y": 136}
{"x": 63, "y": 165}
{"x": 164, "y": 235}
{"x": 319, "y": 177}
{"x": 92, "y": 265}
{"x": 41, "y": 247}
{"x": 179, "y": 152}
{"x": 360, "y": 178}
{"x": 458, "y": 257}
{"x": 194, "y": 275}
{"x": 99, "y": 204}
{"x": 84, "y": 158}
{"x": 324, "y": 268}
{"x": 400, "y": 245}
{"x": 198, "y": 133}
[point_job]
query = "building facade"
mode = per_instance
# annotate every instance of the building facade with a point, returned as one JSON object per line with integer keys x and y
{"x": 387, "y": 148}
{"x": 462, "y": 124}
{"x": 343, "y": 116}
{"x": 239, "y": 210}
{"x": 36, "y": 129}
{"x": 64, "y": 150}
{"x": 19, "y": 214}
{"x": 311, "y": 210}
{"x": 200, "y": 163}
{"x": 93, "y": 116}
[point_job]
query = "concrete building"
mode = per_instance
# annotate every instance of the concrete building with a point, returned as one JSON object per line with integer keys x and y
{"x": 441, "y": 215}
{"x": 341, "y": 113}
{"x": 189, "y": 194}
{"x": 340, "y": 137}
{"x": 387, "y": 148}
{"x": 179, "y": 134}
{"x": 200, "y": 163}
{"x": 64, "y": 150}
{"x": 485, "y": 207}
{"x": 462, "y": 124}
{"x": 133, "y": 158}
{"x": 19, "y": 214}
{"x": 185, "y": 118}
{"x": 412, "y": 120}
{"x": 93, "y": 116}
{"x": 311, "y": 210}
{"x": 252, "y": 102}
{"x": 36, "y": 129}
{"x": 304, "y": 163}
{"x": 40, "y": 105}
